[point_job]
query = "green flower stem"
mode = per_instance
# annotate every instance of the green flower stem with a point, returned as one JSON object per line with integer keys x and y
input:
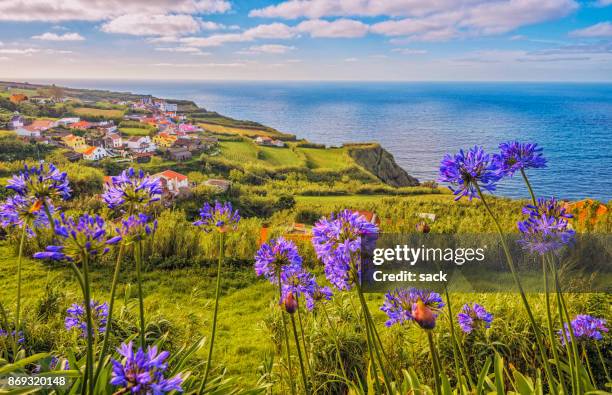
{"x": 371, "y": 330}
{"x": 456, "y": 344}
{"x": 551, "y": 334}
{"x": 297, "y": 345}
{"x": 285, "y": 335}
{"x": 138, "y": 256}
{"x": 533, "y": 197}
{"x": 518, "y": 284}
{"x": 88, "y": 383}
{"x": 336, "y": 341}
{"x": 434, "y": 359}
{"x": 603, "y": 362}
{"x": 588, "y": 364}
{"x": 306, "y": 352}
{"x": 19, "y": 259}
{"x": 109, "y": 321}
{"x": 216, "y": 311}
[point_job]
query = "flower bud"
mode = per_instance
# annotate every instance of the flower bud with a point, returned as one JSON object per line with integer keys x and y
{"x": 422, "y": 227}
{"x": 290, "y": 303}
{"x": 423, "y": 315}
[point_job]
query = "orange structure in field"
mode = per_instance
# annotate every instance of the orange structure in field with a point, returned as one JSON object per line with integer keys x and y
{"x": 17, "y": 98}
{"x": 587, "y": 210}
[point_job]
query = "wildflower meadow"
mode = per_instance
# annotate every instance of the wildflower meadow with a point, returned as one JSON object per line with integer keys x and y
{"x": 325, "y": 335}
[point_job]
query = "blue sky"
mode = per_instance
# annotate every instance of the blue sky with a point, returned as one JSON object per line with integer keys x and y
{"x": 443, "y": 40}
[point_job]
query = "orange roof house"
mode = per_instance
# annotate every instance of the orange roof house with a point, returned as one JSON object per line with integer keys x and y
{"x": 17, "y": 98}
{"x": 41, "y": 124}
{"x": 81, "y": 125}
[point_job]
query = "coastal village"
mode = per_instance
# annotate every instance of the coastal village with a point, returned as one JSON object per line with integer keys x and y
{"x": 150, "y": 127}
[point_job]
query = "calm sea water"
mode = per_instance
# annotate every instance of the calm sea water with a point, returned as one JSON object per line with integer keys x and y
{"x": 420, "y": 122}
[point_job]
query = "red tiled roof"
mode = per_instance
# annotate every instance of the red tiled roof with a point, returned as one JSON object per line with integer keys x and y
{"x": 89, "y": 150}
{"x": 171, "y": 174}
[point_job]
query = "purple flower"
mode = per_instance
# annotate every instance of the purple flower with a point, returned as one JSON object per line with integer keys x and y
{"x": 471, "y": 317}
{"x": 136, "y": 228}
{"x": 43, "y": 182}
{"x": 85, "y": 236}
{"x": 402, "y": 306}
{"x": 132, "y": 189}
{"x": 515, "y": 156}
{"x": 319, "y": 294}
{"x": 221, "y": 217}
{"x": 546, "y": 229}
{"x": 18, "y": 335}
{"x": 276, "y": 256}
{"x": 337, "y": 241}
{"x": 465, "y": 170}
{"x": 143, "y": 372}
{"x": 297, "y": 280}
{"x": 59, "y": 364}
{"x": 19, "y": 211}
{"x": 75, "y": 317}
{"x": 584, "y": 327}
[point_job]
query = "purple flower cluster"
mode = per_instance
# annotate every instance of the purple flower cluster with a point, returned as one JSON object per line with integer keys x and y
{"x": 584, "y": 327}
{"x": 474, "y": 316}
{"x": 132, "y": 189}
{"x": 546, "y": 229}
{"x": 317, "y": 295}
{"x": 18, "y": 335}
{"x": 86, "y": 235}
{"x": 75, "y": 317}
{"x": 143, "y": 372}
{"x": 136, "y": 228}
{"x": 221, "y": 217}
{"x": 402, "y": 305}
{"x": 41, "y": 182}
{"x": 337, "y": 241}
{"x": 465, "y": 170}
{"x": 19, "y": 211}
{"x": 515, "y": 156}
{"x": 276, "y": 256}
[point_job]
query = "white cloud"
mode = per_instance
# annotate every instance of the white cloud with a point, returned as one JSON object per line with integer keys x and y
{"x": 178, "y": 49}
{"x": 271, "y": 48}
{"x": 409, "y": 51}
{"x": 270, "y": 31}
{"x": 97, "y": 10}
{"x": 351, "y": 60}
{"x": 190, "y": 65}
{"x": 153, "y": 25}
{"x": 3, "y": 58}
{"x": 345, "y": 28}
{"x": 48, "y": 36}
{"x": 602, "y": 29}
{"x": 604, "y": 3}
{"x": 19, "y": 51}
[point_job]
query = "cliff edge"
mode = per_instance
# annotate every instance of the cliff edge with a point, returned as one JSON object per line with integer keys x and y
{"x": 381, "y": 163}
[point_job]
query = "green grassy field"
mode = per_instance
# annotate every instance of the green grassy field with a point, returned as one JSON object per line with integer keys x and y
{"x": 356, "y": 200}
{"x": 96, "y": 112}
{"x": 331, "y": 158}
{"x": 135, "y": 131}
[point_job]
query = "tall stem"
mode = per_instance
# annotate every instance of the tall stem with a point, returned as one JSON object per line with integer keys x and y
{"x": 138, "y": 256}
{"x": 285, "y": 334}
{"x": 306, "y": 352}
{"x": 88, "y": 384}
{"x": 518, "y": 284}
{"x": 603, "y": 362}
{"x": 216, "y": 310}
{"x": 551, "y": 334}
{"x": 338, "y": 354}
{"x": 533, "y": 197}
{"x": 434, "y": 360}
{"x": 111, "y": 304}
{"x": 456, "y": 344}
{"x": 588, "y": 364}
{"x": 19, "y": 258}
{"x": 297, "y": 345}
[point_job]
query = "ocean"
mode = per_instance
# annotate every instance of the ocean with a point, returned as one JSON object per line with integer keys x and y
{"x": 420, "y": 122}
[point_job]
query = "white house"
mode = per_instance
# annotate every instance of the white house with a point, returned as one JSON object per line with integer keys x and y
{"x": 95, "y": 153}
{"x": 173, "y": 181}
{"x": 16, "y": 122}
{"x": 141, "y": 144}
{"x": 28, "y": 132}
{"x": 67, "y": 121}
{"x": 115, "y": 139}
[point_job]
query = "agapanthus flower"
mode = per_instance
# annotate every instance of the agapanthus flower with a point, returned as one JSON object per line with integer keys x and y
{"x": 76, "y": 319}
{"x": 516, "y": 156}
{"x": 276, "y": 256}
{"x": 136, "y": 228}
{"x": 133, "y": 189}
{"x": 585, "y": 327}
{"x": 319, "y": 294}
{"x": 407, "y": 305}
{"x": 59, "y": 364}
{"x": 474, "y": 316}
{"x": 18, "y": 335}
{"x": 297, "y": 280}
{"x": 43, "y": 182}
{"x": 85, "y": 235}
{"x": 337, "y": 241}
{"x": 142, "y": 372}
{"x": 19, "y": 211}
{"x": 221, "y": 217}
{"x": 290, "y": 303}
{"x": 465, "y": 170}
{"x": 546, "y": 229}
